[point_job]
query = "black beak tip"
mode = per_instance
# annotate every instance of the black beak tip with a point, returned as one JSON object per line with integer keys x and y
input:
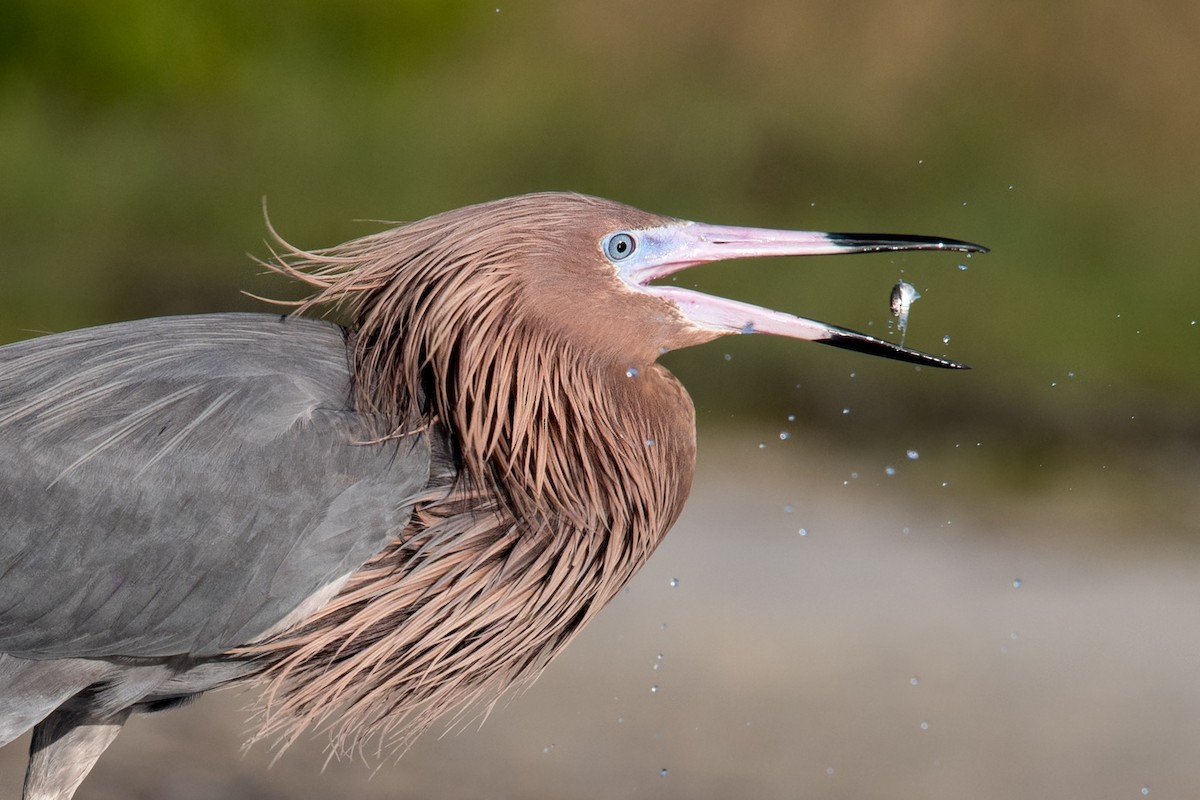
{"x": 877, "y": 242}
{"x": 861, "y": 343}
{"x": 966, "y": 247}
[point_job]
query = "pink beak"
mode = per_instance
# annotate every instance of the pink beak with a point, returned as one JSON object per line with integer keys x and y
{"x": 642, "y": 256}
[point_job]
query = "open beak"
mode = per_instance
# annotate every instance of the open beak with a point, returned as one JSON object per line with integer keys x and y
{"x": 646, "y": 255}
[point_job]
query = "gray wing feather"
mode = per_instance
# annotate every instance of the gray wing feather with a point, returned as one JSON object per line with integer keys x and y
{"x": 178, "y": 485}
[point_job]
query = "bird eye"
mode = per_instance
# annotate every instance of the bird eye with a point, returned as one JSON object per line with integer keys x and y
{"x": 619, "y": 246}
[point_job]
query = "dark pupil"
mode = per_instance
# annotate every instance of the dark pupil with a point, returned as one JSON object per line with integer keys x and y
{"x": 622, "y": 246}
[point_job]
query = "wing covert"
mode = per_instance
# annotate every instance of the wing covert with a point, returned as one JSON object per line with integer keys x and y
{"x": 178, "y": 485}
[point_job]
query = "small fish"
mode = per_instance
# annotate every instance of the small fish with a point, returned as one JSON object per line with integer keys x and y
{"x": 903, "y": 296}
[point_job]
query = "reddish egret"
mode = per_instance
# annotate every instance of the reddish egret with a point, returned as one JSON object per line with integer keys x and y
{"x": 380, "y": 522}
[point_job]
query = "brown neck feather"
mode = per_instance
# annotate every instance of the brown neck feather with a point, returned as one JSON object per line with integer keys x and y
{"x": 570, "y": 470}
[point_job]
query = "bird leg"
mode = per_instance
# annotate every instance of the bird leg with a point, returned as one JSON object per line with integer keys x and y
{"x": 65, "y": 747}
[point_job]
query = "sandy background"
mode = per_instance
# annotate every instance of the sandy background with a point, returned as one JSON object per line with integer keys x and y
{"x": 859, "y": 661}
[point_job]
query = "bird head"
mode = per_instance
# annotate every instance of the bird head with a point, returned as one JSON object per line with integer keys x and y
{"x": 584, "y": 268}
{"x": 595, "y": 278}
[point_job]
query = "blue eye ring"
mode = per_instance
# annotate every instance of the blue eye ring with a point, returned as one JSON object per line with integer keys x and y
{"x": 619, "y": 246}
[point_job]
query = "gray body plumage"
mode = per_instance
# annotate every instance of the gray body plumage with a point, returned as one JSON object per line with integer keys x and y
{"x": 171, "y": 489}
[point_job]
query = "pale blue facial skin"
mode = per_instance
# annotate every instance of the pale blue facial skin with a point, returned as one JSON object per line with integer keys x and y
{"x": 661, "y": 251}
{"x": 641, "y": 256}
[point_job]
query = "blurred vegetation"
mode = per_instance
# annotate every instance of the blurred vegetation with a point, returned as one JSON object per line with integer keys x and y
{"x": 138, "y": 138}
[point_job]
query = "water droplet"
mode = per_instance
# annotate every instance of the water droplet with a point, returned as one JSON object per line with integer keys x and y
{"x": 662, "y": 627}
{"x": 915, "y": 680}
{"x": 784, "y": 436}
{"x": 657, "y": 667}
{"x": 748, "y": 327}
{"x": 547, "y": 748}
{"x": 663, "y": 772}
{"x": 945, "y": 484}
{"x": 654, "y": 689}
{"x": 829, "y": 770}
{"x": 946, "y": 339}
{"x": 913, "y": 455}
{"x": 762, "y": 445}
{"x": 620, "y": 720}
{"x": 729, "y": 356}
{"x": 791, "y": 417}
{"x": 632, "y": 372}
{"x": 1145, "y": 791}
{"x": 924, "y": 726}
{"x": 890, "y": 470}
{"x": 854, "y": 476}
{"x": 845, "y": 411}
{"x": 905, "y": 531}
{"x": 804, "y": 531}
{"x": 962, "y": 267}
{"x": 658, "y": 657}
{"x": 1016, "y": 583}
{"x": 674, "y": 582}
{"x": 787, "y": 509}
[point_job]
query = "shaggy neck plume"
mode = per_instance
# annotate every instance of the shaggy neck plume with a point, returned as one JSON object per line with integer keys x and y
{"x": 562, "y": 470}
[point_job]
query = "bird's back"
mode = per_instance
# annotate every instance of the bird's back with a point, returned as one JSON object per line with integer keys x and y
{"x": 177, "y": 486}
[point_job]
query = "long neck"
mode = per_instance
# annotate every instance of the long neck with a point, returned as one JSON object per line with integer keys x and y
{"x": 562, "y": 437}
{"x": 577, "y": 478}
{"x": 565, "y": 442}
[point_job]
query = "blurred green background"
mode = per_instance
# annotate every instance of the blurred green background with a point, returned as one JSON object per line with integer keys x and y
{"x": 138, "y": 139}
